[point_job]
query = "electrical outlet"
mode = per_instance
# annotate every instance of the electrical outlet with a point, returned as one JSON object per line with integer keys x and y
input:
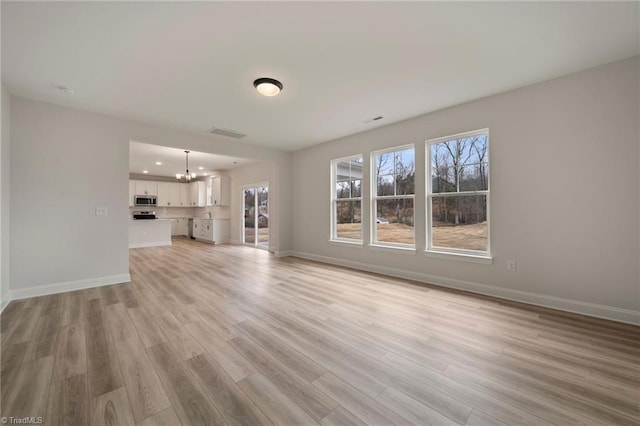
{"x": 102, "y": 211}
{"x": 511, "y": 265}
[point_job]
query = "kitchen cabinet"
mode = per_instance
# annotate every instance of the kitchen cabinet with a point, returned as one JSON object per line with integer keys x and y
{"x": 180, "y": 226}
{"x": 163, "y": 194}
{"x": 174, "y": 194}
{"x": 146, "y": 187}
{"x": 185, "y": 195}
{"x": 221, "y": 231}
{"x": 198, "y": 192}
{"x": 132, "y": 192}
{"x": 203, "y": 229}
{"x": 211, "y": 230}
{"x": 220, "y": 190}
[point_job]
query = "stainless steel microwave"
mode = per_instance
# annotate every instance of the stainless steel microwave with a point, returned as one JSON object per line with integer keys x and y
{"x": 145, "y": 200}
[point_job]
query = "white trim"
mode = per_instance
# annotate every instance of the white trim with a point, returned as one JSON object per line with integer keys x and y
{"x": 151, "y": 244}
{"x": 4, "y": 301}
{"x": 346, "y": 242}
{"x": 374, "y": 197}
{"x": 393, "y": 248}
{"x": 464, "y": 257}
{"x": 44, "y": 290}
{"x": 430, "y": 195}
{"x": 569, "y": 305}
{"x": 285, "y": 253}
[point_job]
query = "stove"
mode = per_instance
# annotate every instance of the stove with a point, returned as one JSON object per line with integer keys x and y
{"x": 144, "y": 215}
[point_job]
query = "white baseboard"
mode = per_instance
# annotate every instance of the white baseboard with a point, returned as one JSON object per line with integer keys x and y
{"x": 568, "y": 305}
{"x": 153, "y": 244}
{"x": 4, "y": 301}
{"x": 285, "y": 253}
{"x": 44, "y": 290}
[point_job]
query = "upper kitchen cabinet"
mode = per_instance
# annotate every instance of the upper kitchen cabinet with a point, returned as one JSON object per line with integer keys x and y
{"x": 170, "y": 195}
{"x": 175, "y": 194}
{"x": 132, "y": 192}
{"x": 198, "y": 194}
{"x": 163, "y": 194}
{"x": 146, "y": 187}
{"x": 220, "y": 190}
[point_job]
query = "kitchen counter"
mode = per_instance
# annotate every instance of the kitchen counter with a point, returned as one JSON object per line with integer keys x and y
{"x": 149, "y": 232}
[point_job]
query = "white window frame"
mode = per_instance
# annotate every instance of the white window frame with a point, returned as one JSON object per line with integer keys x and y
{"x": 334, "y": 201}
{"x": 437, "y": 251}
{"x": 373, "y": 208}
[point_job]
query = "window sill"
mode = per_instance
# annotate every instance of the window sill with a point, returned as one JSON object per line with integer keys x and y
{"x": 353, "y": 243}
{"x": 394, "y": 249}
{"x": 463, "y": 257}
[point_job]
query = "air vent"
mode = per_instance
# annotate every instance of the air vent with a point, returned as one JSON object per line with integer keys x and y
{"x": 370, "y": 120}
{"x": 226, "y": 132}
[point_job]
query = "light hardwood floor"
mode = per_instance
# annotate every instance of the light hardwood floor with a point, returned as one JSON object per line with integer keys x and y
{"x": 231, "y": 335}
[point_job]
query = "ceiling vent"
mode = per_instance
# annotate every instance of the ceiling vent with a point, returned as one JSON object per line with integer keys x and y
{"x": 226, "y": 132}
{"x": 371, "y": 120}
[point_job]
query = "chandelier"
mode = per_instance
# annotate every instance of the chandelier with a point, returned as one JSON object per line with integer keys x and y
{"x": 186, "y": 177}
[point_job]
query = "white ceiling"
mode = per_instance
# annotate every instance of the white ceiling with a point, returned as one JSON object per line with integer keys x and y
{"x": 190, "y": 65}
{"x": 143, "y": 156}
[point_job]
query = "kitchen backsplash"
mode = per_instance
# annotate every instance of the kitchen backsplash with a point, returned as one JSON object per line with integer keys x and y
{"x": 217, "y": 212}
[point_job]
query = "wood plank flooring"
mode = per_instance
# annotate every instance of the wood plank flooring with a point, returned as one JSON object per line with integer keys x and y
{"x": 222, "y": 335}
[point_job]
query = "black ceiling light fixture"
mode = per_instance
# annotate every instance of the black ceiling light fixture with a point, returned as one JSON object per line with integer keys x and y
{"x": 267, "y": 86}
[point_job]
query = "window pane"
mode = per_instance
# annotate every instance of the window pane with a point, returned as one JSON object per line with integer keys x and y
{"x": 474, "y": 177}
{"x": 386, "y": 185}
{"x": 405, "y": 172}
{"x": 459, "y": 222}
{"x": 405, "y": 184}
{"x": 394, "y": 221}
{"x": 356, "y": 188}
{"x": 342, "y": 189}
{"x": 384, "y": 164}
{"x": 348, "y": 219}
{"x": 474, "y": 149}
{"x": 443, "y": 171}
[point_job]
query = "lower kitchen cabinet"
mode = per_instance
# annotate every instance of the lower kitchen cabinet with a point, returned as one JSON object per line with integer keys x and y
{"x": 211, "y": 230}
{"x": 180, "y": 226}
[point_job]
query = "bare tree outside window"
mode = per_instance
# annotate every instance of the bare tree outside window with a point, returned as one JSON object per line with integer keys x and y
{"x": 459, "y": 191}
{"x": 394, "y": 196}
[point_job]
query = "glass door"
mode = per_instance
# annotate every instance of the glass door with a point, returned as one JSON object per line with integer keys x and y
{"x": 256, "y": 216}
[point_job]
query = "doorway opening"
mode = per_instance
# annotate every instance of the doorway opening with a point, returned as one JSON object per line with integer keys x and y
{"x": 255, "y": 221}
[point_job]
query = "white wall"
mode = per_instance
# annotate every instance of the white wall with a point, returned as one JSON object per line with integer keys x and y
{"x": 66, "y": 162}
{"x": 5, "y": 199}
{"x": 564, "y": 194}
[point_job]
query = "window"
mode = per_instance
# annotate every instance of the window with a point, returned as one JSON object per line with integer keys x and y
{"x": 347, "y": 199}
{"x": 458, "y": 193}
{"x": 393, "y": 197}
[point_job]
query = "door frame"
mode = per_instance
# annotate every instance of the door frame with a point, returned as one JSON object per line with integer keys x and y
{"x": 263, "y": 184}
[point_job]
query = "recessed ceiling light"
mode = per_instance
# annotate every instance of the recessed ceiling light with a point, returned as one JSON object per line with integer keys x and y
{"x": 145, "y": 171}
{"x": 205, "y": 174}
{"x": 200, "y": 168}
{"x": 158, "y": 163}
{"x": 267, "y": 86}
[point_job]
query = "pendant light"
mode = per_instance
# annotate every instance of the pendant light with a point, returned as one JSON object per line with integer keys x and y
{"x": 187, "y": 177}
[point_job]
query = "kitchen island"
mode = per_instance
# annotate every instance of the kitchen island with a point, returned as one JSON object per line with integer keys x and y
{"x": 149, "y": 232}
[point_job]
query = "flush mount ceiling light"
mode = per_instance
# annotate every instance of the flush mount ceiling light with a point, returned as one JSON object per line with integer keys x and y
{"x": 267, "y": 86}
{"x": 186, "y": 177}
